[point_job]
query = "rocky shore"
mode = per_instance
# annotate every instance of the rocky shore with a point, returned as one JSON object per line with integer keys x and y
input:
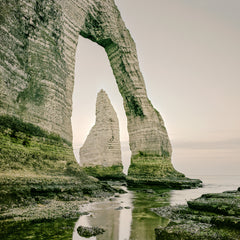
{"x": 156, "y": 170}
{"x": 40, "y": 181}
{"x": 47, "y": 204}
{"x": 212, "y": 216}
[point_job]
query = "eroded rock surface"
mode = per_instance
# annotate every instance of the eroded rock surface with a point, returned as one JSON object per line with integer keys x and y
{"x": 102, "y": 146}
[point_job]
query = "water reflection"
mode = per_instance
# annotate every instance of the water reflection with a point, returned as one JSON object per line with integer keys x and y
{"x": 114, "y": 215}
{"x": 144, "y": 220}
{"x": 133, "y": 220}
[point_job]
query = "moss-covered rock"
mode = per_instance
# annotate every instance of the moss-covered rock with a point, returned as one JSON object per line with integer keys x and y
{"x": 114, "y": 172}
{"x": 54, "y": 229}
{"x": 212, "y": 216}
{"x": 153, "y": 166}
{"x": 149, "y": 169}
{"x": 37, "y": 165}
{"x": 89, "y": 231}
{"x": 194, "y": 231}
{"x": 227, "y": 203}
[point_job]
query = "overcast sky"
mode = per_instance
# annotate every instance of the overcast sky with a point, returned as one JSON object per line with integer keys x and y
{"x": 189, "y": 55}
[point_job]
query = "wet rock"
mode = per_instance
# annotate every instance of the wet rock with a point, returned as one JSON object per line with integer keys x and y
{"x": 149, "y": 191}
{"x": 226, "y": 221}
{"x": 84, "y": 213}
{"x": 212, "y": 216}
{"x": 121, "y": 191}
{"x": 165, "y": 194}
{"x": 165, "y": 182}
{"x": 117, "y": 183}
{"x": 226, "y": 203}
{"x": 193, "y": 231}
{"x": 89, "y": 231}
{"x": 119, "y": 208}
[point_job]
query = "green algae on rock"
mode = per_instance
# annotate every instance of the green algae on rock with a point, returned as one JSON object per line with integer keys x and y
{"x": 150, "y": 169}
{"x": 114, "y": 172}
{"x": 146, "y": 165}
{"x": 89, "y": 231}
{"x": 212, "y": 216}
{"x": 43, "y": 169}
{"x": 54, "y": 229}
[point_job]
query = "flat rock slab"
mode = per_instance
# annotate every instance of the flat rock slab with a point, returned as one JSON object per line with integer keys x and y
{"x": 171, "y": 183}
{"x": 212, "y": 216}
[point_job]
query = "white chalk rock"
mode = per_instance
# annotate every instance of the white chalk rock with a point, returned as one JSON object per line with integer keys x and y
{"x": 102, "y": 146}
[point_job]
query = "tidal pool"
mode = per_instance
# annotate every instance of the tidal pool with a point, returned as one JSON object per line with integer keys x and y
{"x": 126, "y": 216}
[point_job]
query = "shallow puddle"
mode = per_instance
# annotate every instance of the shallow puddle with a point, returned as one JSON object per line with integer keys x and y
{"x": 126, "y": 216}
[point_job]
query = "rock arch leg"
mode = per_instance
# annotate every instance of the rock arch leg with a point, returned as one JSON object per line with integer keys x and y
{"x": 148, "y": 138}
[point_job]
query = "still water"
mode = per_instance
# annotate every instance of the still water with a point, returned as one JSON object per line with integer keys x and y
{"x": 124, "y": 217}
{"x": 127, "y": 216}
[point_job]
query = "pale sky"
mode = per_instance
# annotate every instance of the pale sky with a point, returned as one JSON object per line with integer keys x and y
{"x": 189, "y": 55}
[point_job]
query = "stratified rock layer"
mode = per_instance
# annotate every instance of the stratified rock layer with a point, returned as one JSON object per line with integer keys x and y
{"x": 38, "y": 41}
{"x": 102, "y": 146}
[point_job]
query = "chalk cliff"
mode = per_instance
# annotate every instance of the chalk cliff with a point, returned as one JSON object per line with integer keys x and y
{"x": 38, "y": 41}
{"x": 102, "y": 146}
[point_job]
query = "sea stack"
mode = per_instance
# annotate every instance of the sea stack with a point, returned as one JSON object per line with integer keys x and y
{"x": 100, "y": 155}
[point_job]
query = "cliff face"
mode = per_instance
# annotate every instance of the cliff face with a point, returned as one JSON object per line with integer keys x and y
{"x": 102, "y": 146}
{"x": 36, "y": 72}
{"x": 38, "y": 42}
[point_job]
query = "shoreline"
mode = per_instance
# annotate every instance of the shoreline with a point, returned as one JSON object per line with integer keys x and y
{"x": 214, "y": 216}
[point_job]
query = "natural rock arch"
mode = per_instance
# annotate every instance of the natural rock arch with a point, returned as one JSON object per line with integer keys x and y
{"x": 39, "y": 39}
{"x": 104, "y": 26}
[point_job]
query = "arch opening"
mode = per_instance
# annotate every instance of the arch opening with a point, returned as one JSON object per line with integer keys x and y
{"x": 93, "y": 73}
